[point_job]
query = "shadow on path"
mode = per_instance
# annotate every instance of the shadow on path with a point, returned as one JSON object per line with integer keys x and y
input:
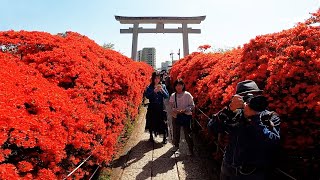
{"x": 134, "y": 155}
{"x": 201, "y": 165}
{"x": 160, "y": 165}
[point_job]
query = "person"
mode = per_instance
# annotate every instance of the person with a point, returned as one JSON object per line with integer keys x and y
{"x": 182, "y": 104}
{"x": 167, "y": 82}
{"x": 163, "y": 75}
{"x": 254, "y": 134}
{"x": 156, "y": 116}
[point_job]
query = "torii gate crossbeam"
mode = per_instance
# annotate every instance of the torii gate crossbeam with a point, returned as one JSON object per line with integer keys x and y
{"x": 160, "y": 22}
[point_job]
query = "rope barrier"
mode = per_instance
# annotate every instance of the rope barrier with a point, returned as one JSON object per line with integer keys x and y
{"x": 203, "y": 113}
{"x": 77, "y": 167}
{"x": 218, "y": 145}
{"x": 94, "y": 173}
{"x": 198, "y": 121}
{"x": 85, "y": 160}
{"x": 289, "y": 176}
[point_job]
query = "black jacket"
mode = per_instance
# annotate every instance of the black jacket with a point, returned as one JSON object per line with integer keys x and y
{"x": 251, "y": 143}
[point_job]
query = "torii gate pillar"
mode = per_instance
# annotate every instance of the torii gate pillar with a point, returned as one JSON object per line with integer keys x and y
{"x": 185, "y": 39}
{"x": 134, "y": 41}
{"x": 160, "y": 22}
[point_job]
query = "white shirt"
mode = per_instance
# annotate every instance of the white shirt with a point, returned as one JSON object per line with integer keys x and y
{"x": 184, "y": 102}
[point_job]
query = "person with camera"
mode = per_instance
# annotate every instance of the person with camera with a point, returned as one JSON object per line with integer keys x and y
{"x": 182, "y": 105}
{"x": 156, "y": 115}
{"x": 254, "y": 134}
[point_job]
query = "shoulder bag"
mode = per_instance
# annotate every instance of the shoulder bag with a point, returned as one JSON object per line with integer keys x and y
{"x": 182, "y": 118}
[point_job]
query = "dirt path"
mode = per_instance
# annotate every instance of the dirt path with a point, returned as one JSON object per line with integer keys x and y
{"x": 143, "y": 160}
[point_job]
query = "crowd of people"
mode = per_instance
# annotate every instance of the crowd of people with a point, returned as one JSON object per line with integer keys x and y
{"x": 253, "y": 130}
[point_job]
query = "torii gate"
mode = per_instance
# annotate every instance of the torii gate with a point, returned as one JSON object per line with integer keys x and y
{"x": 160, "y": 22}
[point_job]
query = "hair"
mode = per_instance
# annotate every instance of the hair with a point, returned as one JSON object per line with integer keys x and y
{"x": 154, "y": 76}
{"x": 177, "y": 82}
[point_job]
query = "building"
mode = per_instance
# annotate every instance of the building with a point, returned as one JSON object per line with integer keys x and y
{"x": 148, "y": 55}
{"x": 139, "y": 55}
{"x": 174, "y": 61}
{"x": 166, "y": 65}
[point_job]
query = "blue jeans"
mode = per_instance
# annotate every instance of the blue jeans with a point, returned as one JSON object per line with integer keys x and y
{"x": 230, "y": 173}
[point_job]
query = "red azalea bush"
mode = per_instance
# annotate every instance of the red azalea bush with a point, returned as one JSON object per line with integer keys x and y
{"x": 203, "y": 48}
{"x": 63, "y": 98}
{"x": 287, "y": 66}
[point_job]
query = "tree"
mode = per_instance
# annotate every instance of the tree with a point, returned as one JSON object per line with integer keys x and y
{"x": 108, "y": 45}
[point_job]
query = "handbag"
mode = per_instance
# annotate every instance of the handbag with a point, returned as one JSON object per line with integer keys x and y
{"x": 182, "y": 119}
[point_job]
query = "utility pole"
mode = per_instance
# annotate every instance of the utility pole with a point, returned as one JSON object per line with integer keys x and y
{"x": 171, "y": 55}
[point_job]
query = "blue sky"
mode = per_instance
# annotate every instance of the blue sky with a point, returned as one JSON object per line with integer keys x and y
{"x": 229, "y": 23}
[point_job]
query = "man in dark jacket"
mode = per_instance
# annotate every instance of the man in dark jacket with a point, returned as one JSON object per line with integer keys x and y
{"x": 254, "y": 134}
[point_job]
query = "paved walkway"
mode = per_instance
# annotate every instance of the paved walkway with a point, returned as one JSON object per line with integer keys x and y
{"x": 147, "y": 160}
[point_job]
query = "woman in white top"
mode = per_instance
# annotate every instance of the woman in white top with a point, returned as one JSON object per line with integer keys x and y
{"x": 182, "y": 105}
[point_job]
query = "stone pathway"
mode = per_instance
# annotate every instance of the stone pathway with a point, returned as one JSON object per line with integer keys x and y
{"x": 146, "y": 160}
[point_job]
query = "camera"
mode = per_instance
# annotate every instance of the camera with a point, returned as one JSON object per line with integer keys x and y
{"x": 266, "y": 119}
{"x": 247, "y": 97}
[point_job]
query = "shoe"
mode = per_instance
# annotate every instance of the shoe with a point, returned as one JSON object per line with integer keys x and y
{"x": 174, "y": 149}
{"x": 151, "y": 138}
{"x": 190, "y": 153}
{"x": 164, "y": 141}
